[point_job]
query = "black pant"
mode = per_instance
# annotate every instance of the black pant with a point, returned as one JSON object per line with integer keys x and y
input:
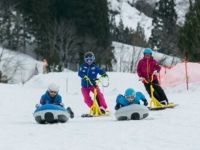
{"x": 159, "y": 93}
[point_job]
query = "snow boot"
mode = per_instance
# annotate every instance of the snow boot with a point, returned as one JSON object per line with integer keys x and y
{"x": 70, "y": 112}
{"x": 103, "y": 110}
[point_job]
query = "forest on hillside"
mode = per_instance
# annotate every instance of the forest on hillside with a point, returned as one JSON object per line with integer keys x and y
{"x": 62, "y": 31}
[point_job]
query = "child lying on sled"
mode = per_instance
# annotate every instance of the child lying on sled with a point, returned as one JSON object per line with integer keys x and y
{"x": 130, "y": 97}
{"x": 51, "y": 96}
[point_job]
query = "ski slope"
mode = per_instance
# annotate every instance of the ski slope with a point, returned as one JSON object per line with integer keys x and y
{"x": 171, "y": 129}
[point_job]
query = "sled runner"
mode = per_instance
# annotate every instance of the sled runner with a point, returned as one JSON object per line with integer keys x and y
{"x": 50, "y": 113}
{"x": 132, "y": 112}
{"x": 170, "y": 105}
{"x": 88, "y": 115}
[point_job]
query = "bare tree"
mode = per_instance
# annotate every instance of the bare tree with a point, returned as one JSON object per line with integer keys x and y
{"x": 135, "y": 58}
{"x": 190, "y": 2}
{"x": 64, "y": 41}
{"x": 162, "y": 60}
{"x": 10, "y": 65}
{"x": 71, "y": 42}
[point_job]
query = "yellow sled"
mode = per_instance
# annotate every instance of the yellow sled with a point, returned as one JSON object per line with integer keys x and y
{"x": 95, "y": 110}
{"x": 155, "y": 104}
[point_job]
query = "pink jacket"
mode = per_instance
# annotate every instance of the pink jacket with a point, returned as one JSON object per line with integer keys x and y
{"x": 146, "y": 67}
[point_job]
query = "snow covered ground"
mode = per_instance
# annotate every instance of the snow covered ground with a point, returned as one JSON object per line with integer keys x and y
{"x": 171, "y": 129}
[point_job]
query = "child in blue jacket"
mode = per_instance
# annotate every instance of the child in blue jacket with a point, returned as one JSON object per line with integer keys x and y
{"x": 88, "y": 72}
{"x": 130, "y": 97}
{"x": 51, "y": 96}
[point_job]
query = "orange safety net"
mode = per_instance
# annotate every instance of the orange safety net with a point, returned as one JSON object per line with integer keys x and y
{"x": 176, "y": 75}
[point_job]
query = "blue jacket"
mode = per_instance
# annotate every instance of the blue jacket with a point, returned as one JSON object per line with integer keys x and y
{"x": 122, "y": 101}
{"x": 91, "y": 71}
{"x": 46, "y": 99}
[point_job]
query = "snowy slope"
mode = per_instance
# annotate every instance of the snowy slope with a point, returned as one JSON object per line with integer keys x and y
{"x": 131, "y": 16}
{"x": 174, "y": 129}
{"x": 18, "y": 67}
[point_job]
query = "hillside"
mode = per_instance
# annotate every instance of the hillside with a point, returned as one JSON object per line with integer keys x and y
{"x": 131, "y": 16}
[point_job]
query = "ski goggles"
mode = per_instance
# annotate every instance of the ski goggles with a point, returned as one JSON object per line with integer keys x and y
{"x": 52, "y": 92}
{"x": 130, "y": 98}
{"x": 89, "y": 59}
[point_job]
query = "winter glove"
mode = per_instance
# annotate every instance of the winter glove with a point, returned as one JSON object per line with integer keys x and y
{"x": 61, "y": 104}
{"x": 141, "y": 79}
{"x": 117, "y": 106}
{"x": 71, "y": 113}
{"x": 94, "y": 82}
{"x": 155, "y": 72}
{"x": 104, "y": 75}
{"x": 86, "y": 78}
{"x": 37, "y": 105}
{"x": 145, "y": 102}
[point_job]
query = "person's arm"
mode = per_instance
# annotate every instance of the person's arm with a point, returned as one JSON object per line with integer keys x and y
{"x": 156, "y": 66}
{"x": 142, "y": 97}
{"x": 81, "y": 72}
{"x": 58, "y": 100}
{"x": 139, "y": 69}
{"x": 101, "y": 71}
{"x": 119, "y": 102}
{"x": 42, "y": 100}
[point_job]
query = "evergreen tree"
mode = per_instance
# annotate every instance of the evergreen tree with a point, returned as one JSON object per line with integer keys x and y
{"x": 190, "y": 34}
{"x": 61, "y": 30}
{"x": 13, "y": 29}
{"x": 139, "y": 37}
{"x": 164, "y": 32}
{"x": 5, "y": 24}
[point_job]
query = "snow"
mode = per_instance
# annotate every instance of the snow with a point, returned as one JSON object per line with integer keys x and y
{"x": 174, "y": 129}
{"x": 182, "y": 7}
{"x": 131, "y": 16}
{"x": 18, "y": 67}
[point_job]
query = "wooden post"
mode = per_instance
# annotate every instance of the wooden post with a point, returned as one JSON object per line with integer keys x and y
{"x": 186, "y": 72}
{"x": 66, "y": 85}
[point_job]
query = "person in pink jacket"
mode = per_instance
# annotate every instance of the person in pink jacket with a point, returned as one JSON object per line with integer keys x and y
{"x": 147, "y": 70}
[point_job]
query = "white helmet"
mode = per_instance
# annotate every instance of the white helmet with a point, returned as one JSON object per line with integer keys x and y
{"x": 53, "y": 87}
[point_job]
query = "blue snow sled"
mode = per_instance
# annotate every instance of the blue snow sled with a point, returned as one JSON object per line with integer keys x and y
{"x": 132, "y": 112}
{"x": 50, "y": 113}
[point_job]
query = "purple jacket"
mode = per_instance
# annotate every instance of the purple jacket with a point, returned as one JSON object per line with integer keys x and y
{"x": 146, "y": 67}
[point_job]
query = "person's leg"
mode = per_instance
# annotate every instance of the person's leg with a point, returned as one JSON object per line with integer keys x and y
{"x": 148, "y": 89}
{"x": 86, "y": 94}
{"x": 159, "y": 92}
{"x": 100, "y": 98}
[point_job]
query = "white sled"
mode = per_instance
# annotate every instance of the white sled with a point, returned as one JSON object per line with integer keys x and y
{"x": 50, "y": 113}
{"x": 132, "y": 112}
